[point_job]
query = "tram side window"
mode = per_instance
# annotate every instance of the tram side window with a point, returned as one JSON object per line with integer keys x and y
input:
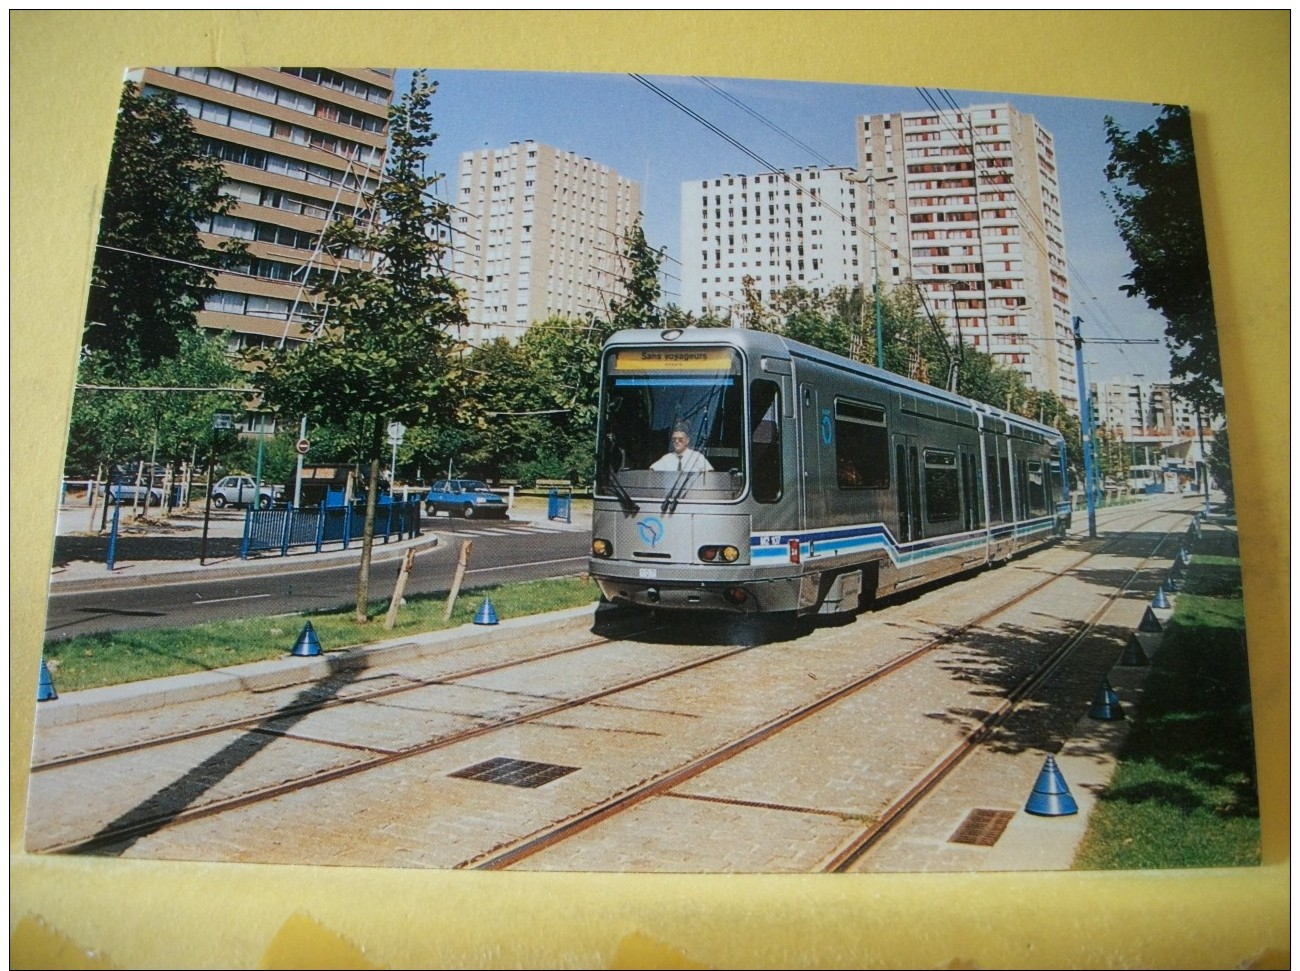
{"x": 765, "y": 440}
{"x": 1037, "y": 489}
{"x": 942, "y": 498}
{"x": 1010, "y": 512}
{"x": 993, "y": 483}
{"x": 861, "y": 446}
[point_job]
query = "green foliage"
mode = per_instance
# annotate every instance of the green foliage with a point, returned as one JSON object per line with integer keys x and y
{"x": 110, "y": 426}
{"x": 1184, "y": 793}
{"x": 1157, "y": 209}
{"x": 97, "y": 660}
{"x": 639, "y": 308}
{"x": 384, "y": 352}
{"x": 1220, "y": 463}
{"x": 675, "y": 316}
{"x": 151, "y": 272}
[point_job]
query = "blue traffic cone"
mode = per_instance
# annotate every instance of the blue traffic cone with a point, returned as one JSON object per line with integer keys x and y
{"x": 1161, "y": 602}
{"x": 487, "y": 614}
{"x": 307, "y": 644}
{"x": 1150, "y": 623}
{"x": 1171, "y": 581}
{"x": 1185, "y": 555}
{"x": 1105, "y": 705}
{"x": 1134, "y": 656}
{"x": 45, "y": 687}
{"x": 1051, "y": 796}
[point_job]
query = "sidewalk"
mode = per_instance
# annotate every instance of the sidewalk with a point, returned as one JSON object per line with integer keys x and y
{"x": 158, "y": 550}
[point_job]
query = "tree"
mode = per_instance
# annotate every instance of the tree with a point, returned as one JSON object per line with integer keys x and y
{"x": 151, "y": 270}
{"x": 115, "y": 417}
{"x": 1157, "y": 209}
{"x": 385, "y": 352}
{"x": 640, "y": 307}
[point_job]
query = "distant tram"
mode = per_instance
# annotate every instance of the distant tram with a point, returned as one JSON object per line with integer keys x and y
{"x": 739, "y": 471}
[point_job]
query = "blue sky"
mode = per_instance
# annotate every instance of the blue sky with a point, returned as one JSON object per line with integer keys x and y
{"x": 618, "y": 122}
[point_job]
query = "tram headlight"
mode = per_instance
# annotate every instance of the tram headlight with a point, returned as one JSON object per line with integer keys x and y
{"x": 719, "y": 554}
{"x": 602, "y": 548}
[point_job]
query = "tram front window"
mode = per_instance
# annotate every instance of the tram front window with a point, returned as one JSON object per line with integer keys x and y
{"x": 673, "y": 425}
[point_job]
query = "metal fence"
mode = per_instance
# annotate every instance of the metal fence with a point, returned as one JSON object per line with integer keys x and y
{"x": 282, "y": 529}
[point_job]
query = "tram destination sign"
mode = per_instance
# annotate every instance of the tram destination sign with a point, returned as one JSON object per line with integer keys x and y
{"x": 673, "y": 359}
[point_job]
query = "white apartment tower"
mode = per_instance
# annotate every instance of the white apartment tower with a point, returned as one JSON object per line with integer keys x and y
{"x": 537, "y": 231}
{"x": 777, "y": 229}
{"x": 966, "y": 203}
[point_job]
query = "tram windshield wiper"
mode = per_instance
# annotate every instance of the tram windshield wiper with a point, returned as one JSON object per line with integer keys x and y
{"x": 624, "y": 499}
{"x": 676, "y": 491}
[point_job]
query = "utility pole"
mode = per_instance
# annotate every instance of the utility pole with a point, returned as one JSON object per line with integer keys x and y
{"x": 1085, "y": 422}
{"x": 870, "y": 178}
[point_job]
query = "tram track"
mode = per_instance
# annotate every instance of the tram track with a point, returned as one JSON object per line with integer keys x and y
{"x": 504, "y": 857}
{"x": 139, "y": 823}
{"x": 861, "y": 844}
{"x": 151, "y": 822}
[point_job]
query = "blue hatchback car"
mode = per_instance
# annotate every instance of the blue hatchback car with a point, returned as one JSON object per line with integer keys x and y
{"x": 464, "y": 497}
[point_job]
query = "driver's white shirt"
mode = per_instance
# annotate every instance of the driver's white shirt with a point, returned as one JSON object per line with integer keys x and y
{"x": 689, "y": 461}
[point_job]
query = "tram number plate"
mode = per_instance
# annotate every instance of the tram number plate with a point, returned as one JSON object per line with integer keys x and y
{"x": 647, "y": 573}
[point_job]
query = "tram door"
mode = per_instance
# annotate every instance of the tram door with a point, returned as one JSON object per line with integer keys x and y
{"x": 818, "y": 429}
{"x": 907, "y": 488}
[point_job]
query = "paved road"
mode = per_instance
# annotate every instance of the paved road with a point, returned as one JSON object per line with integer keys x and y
{"x": 503, "y": 550}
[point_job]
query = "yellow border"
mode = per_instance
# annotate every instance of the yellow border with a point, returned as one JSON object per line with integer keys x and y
{"x": 1232, "y": 68}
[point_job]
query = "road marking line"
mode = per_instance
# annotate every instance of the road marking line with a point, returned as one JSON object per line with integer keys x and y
{"x": 222, "y": 600}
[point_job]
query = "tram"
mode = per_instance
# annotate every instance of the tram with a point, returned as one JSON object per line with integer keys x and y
{"x": 739, "y": 471}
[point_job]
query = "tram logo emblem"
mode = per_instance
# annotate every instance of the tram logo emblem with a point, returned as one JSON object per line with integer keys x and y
{"x": 826, "y": 426}
{"x": 651, "y": 530}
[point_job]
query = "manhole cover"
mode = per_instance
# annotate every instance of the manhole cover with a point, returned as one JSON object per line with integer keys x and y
{"x": 983, "y": 827}
{"x": 514, "y": 772}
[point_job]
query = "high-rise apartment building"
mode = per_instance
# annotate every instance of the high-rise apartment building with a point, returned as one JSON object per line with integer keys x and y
{"x": 537, "y": 231}
{"x": 1143, "y": 412}
{"x": 967, "y": 204}
{"x": 300, "y": 147}
{"x": 775, "y": 229}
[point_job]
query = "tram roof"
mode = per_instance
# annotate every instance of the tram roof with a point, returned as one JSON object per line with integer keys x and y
{"x": 774, "y": 345}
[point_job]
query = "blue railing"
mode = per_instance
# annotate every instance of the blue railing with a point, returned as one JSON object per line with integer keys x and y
{"x": 282, "y": 529}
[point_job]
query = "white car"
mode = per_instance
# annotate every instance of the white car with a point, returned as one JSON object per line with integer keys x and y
{"x": 242, "y": 490}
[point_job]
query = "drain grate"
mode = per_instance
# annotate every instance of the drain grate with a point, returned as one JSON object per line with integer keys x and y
{"x": 982, "y": 827}
{"x": 514, "y": 772}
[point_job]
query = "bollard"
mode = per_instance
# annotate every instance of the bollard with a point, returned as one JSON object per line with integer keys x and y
{"x": 1134, "y": 656}
{"x": 487, "y": 614}
{"x": 307, "y": 644}
{"x": 1051, "y": 796}
{"x": 1105, "y": 705}
{"x": 1150, "y": 623}
{"x": 45, "y": 686}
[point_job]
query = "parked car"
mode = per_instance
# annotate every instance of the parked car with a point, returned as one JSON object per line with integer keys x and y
{"x": 242, "y": 490}
{"x": 128, "y": 493}
{"x": 464, "y": 497}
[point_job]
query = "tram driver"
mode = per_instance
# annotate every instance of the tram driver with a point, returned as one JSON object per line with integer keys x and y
{"x": 681, "y": 457}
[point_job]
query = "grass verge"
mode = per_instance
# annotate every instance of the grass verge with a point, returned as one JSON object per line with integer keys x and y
{"x": 1184, "y": 792}
{"x": 96, "y": 660}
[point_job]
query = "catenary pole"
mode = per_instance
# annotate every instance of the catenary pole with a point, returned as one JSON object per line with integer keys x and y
{"x": 1085, "y": 421}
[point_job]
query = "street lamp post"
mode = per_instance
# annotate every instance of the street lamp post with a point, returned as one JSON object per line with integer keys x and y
{"x": 220, "y": 421}
{"x": 870, "y": 178}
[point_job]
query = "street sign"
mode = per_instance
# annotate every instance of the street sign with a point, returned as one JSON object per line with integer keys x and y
{"x": 301, "y": 446}
{"x": 395, "y": 432}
